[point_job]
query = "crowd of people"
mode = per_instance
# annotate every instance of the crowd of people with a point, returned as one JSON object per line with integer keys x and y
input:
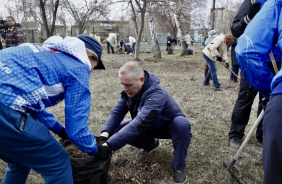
{"x": 33, "y": 78}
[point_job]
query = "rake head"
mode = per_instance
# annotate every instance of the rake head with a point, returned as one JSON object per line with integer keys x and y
{"x": 229, "y": 168}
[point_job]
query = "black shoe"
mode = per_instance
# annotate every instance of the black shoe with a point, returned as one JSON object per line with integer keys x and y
{"x": 179, "y": 176}
{"x": 218, "y": 89}
{"x": 235, "y": 142}
{"x": 143, "y": 151}
{"x": 259, "y": 140}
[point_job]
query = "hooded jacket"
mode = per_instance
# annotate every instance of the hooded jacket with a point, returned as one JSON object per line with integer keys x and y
{"x": 33, "y": 78}
{"x": 152, "y": 106}
{"x": 253, "y": 47}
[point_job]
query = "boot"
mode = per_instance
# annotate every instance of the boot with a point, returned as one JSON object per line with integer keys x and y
{"x": 235, "y": 79}
{"x": 232, "y": 79}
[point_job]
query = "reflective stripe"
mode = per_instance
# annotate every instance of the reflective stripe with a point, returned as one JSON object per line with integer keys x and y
{"x": 54, "y": 90}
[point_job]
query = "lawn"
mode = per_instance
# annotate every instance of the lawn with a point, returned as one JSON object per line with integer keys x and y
{"x": 208, "y": 111}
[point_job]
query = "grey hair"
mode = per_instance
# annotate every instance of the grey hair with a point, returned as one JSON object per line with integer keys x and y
{"x": 132, "y": 67}
{"x": 10, "y": 17}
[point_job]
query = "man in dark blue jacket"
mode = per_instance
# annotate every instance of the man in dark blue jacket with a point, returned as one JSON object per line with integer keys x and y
{"x": 154, "y": 114}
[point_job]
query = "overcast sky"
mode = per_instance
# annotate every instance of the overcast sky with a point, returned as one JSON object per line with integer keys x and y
{"x": 116, "y": 8}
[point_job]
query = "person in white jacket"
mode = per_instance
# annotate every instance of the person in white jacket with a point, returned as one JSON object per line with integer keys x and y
{"x": 132, "y": 42}
{"x": 187, "y": 39}
{"x": 111, "y": 42}
{"x": 216, "y": 51}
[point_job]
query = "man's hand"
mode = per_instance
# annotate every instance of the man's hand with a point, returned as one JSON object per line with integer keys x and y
{"x": 104, "y": 152}
{"x": 64, "y": 141}
{"x": 219, "y": 59}
{"x": 101, "y": 140}
{"x": 63, "y": 134}
{"x": 253, "y": 10}
{"x": 226, "y": 64}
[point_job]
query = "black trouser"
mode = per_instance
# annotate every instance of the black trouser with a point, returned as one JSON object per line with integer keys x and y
{"x": 242, "y": 110}
{"x": 108, "y": 48}
{"x": 243, "y": 105}
{"x": 272, "y": 144}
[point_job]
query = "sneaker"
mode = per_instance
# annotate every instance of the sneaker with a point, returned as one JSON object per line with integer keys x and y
{"x": 206, "y": 84}
{"x": 235, "y": 142}
{"x": 143, "y": 151}
{"x": 130, "y": 53}
{"x": 179, "y": 176}
{"x": 218, "y": 89}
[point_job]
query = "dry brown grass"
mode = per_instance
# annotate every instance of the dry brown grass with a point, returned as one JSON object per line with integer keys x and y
{"x": 208, "y": 111}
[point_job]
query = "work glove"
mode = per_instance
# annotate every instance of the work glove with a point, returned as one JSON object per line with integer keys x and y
{"x": 254, "y": 10}
{"x": 103, "y": 153}
{"x": 64, "y": 141}
{"x": 219, "y": 59}
{"x": 227, "y": 65}
{"x": 101, "y": 140}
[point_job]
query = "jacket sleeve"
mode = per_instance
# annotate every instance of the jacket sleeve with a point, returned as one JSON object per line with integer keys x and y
{"x": 144, "y": 121}
{"x": 240, "y": 21}
{"x": 77, "y": 109}
{"x": 224, "y": 51}
{"x": 116, "y": 116}
{"x": 48, "y": 120}
{"x": 254, "y": 46}
{"x": 19, "y": 36}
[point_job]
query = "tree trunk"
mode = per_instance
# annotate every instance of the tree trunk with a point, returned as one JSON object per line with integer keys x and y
{"x": 140, "y": 31}
{"x": 54, "y": 17}
{"x": 213, "y": 13}
{"x": 134, "y": 17}
{"x": 45, "y": 23}
{"x": 182, "y": 40}
{"x": 157, "y": 49}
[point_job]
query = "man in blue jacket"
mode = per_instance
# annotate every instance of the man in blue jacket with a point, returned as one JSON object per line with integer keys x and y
{"x": 154, "y": 114}
{"x": 262, "y": 33}
{"x": 33, "y": 78}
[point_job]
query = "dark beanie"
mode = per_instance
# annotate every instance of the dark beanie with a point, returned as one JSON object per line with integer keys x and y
{"x": 92, "y": 44}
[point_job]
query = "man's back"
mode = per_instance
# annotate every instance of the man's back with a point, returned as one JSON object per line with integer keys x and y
{"x": 30, "y": 76}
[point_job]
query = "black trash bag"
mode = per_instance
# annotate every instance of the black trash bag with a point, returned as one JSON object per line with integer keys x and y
{"x": 190, "y": 52}
{"x": 128, "y": 49}
{"x": 90, "y": 170}
{"x": 170, "y": 50}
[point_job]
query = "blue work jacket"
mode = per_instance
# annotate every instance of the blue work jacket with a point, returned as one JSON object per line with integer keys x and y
{"x": 33, "y": 78}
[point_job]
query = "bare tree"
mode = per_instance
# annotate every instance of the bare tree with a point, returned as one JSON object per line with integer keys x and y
{"x": 157, "y": 49}
{"x": 141, "y": 6}
{"x": 213, "y": 13}
{"x": 82, "y": 11}
{"x": 182, "y": 10}
{"x": 53, "y": 6}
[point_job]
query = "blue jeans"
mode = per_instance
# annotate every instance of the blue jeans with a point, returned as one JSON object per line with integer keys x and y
{"x": 212, "y": 72}
{"x": 179, "y": 130}
{"x": 26, "y": 143}
{"x": 235, "y": 69}
{"x": 133, "y": 48}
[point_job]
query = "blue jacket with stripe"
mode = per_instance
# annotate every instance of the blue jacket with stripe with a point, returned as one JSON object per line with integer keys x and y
{"x": 33, "y": 78}
{"x": 260, "y": 37}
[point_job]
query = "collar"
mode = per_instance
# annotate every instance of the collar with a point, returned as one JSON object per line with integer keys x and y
{"x": 227, "y": 41}
{"x": 11, "y": 28}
